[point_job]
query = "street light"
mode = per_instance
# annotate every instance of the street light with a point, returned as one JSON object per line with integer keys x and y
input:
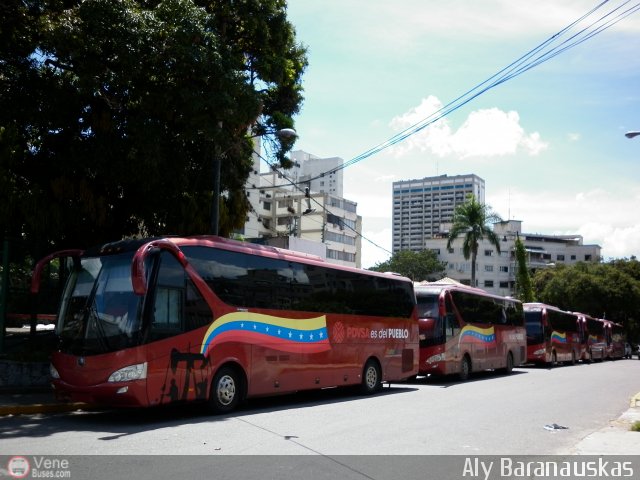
{"x": 632, "y": 134}
{"x": 286, "y": 134}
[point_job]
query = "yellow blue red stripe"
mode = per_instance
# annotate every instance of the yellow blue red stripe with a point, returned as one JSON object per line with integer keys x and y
{"x": 471, "y": 333}
{"x": 287, "y": 334}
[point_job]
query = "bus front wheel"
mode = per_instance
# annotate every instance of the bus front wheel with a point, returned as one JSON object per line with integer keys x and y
{"x": 371, "y": 378}
{"x": 226, "y": 390}
{"x": 465, "y": 369}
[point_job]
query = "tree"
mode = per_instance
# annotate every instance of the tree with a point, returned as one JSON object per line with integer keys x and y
{"x": 111, "y": 113}
{"x": 417, "y": 266}
{"x": 524, "y": 289}
{"x": 602, "y": 290}
{"x": 471, "y": 219}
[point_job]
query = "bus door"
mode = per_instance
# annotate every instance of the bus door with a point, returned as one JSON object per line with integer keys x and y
{"x": 176, "y": 316}
{"x": 452, "y": 336}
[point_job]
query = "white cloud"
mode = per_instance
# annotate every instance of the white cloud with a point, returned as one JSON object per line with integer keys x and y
{"x": 600, "y": 216}
{"x": 485, "y": 133}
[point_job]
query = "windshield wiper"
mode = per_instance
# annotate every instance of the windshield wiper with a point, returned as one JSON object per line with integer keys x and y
{"x": 101, "y": 335}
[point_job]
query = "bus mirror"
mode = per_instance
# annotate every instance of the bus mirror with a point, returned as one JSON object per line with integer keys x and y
{"x": 138, "y": 273}
{"x": 36, "y": 277}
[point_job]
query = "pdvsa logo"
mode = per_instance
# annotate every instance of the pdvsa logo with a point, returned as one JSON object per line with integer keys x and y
{"x": 18, "y": 467}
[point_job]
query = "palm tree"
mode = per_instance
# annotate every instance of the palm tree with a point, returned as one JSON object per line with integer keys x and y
{"x": 472, "y": 220}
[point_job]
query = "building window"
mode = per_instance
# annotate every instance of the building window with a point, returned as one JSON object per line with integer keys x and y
{"x": 266, "y": 205}
{"x": 488, "y": 283}
{"x": 488, "y": 268}
{"x": 573, "y": 257}
{"x": 504, "y": 284}
{"x": 587, "y": 258}
{"x": 451, "y": 250}
{"x": 560, "y": 258}
{"x": 488, "y": 253}
{"x": 504, "y": 268}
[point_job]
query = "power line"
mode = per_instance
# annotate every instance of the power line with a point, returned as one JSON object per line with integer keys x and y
{"x": 529, "y": 60}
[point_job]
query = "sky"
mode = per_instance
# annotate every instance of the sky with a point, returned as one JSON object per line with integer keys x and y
{"x": 549, "y": 143}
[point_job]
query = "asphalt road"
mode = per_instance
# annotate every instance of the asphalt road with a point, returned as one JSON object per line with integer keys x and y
{"x": 489, "y": 415}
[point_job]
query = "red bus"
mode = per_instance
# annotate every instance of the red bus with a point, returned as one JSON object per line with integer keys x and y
{"x": 596, "y": 345}
{"x": 464, "y": 329}
{"x": 157, "y": 321}
{"x": 553, "y": 335}
{"x": 615, "y": 339}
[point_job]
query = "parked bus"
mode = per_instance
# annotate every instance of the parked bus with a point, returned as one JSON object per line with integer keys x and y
{"x": 596, "y": 345}
{"x": 464, "y": 329}
{"x": 553, "y": 335}
{"x": 157, "y": 321}
{"x": 615, "y": 339}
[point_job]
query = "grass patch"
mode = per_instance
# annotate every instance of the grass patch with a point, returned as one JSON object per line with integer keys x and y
{"x": 635, "y": 427}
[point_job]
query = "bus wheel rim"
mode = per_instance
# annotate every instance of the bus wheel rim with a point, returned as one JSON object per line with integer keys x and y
{"x": 226, "y": 390}
{"x": 371, "y": 377}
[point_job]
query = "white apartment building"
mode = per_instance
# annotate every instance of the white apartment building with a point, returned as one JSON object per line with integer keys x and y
{"x": 496, "y": 272}
{"x": 320, "y": 222}
{"x": 423, "y": 208}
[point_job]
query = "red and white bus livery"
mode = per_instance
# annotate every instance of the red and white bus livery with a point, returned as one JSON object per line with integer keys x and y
{"x": 596, "y": 343}
{"x": 553, "y": 335}
{"x": 464, "y": 329}
{"x": 157, "y": 321}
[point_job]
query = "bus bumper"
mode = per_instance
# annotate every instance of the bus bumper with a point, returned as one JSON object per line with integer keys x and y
{"x": 124, "y": 394}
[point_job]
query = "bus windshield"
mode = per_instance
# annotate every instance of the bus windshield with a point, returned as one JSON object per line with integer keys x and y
{"x": 99, "y": 312}
{"x": 427, "y": 306}
{"x": 535, "y": 331}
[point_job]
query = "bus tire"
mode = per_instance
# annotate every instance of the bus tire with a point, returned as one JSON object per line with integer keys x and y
{"x": 573, "y": 357}
{"x": 554, "y": 360}
{"x": 371, "y": 378}
{"x": 465, "y": 368}
{"x": 508, "y": 369}
{"x": 226, "y": 390}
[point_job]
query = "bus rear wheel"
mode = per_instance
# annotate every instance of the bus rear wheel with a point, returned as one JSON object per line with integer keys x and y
{"x": 226, "y": 390}
{"x": 371, "y": 378}
{"x": 465, "y": 369}
{"x": 509, "y": 365}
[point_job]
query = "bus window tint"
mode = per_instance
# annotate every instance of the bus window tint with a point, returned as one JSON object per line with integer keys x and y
{"x": 177, "y": 306}
{"x": 252, "y": 281}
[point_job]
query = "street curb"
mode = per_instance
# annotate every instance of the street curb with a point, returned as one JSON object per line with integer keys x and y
{"x": 42, "y": 408}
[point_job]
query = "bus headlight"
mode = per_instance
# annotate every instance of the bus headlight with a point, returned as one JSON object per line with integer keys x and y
{"x": 541, "y": 351}
{"x": 130, "y": 373}
{"x": 436, "y": 358}
{"x": 53, "y": 372}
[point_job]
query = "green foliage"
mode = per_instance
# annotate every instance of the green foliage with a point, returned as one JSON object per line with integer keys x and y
{"x": 111, "y": 112}
{"x": 635, "y": 427}
{"x": 603, "y": 290}
{"x": 524, "y": 289}
{"x": 418, "y": 266}
{"x": 473, "y": 220}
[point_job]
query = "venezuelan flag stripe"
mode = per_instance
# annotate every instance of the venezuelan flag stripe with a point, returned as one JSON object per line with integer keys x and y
{"x": 285, "y": 334}
{"x": 557, "y": 337}
{"x": 473, "y": 334}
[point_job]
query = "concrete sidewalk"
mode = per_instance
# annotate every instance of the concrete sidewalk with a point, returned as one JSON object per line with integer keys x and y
{"x": 30, "y": 401}
{"x": 617, "y": 437}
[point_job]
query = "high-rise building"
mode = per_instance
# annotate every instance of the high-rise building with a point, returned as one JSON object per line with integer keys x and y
{"x": 423, "y": 208}
{"x": 305, "y": 203}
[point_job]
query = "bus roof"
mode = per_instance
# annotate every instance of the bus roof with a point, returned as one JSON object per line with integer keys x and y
{"x": 212, "y": 241}
{"x": 439, "y": 286}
